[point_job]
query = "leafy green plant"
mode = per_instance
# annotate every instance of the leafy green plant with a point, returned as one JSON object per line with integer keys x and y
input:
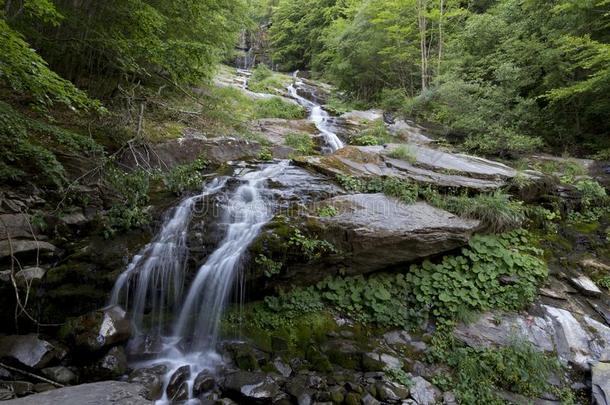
{"x": 327, "y": 211}
{"x": 403, "y": 152}
{"x": 270, "y": 267}
{"x": 265, "y": 154}
{"x": 604, "y": 282}
{"x": 129, "y": 211}
{"x": 399, "y": 376}
{"x": 376, "y": 134}
{"x": 592, "y": 193}
{"x": 302, "y": 143}
{"x": 186, "y": 177}
{"x": 312, "y": 248}
{"x": 473, "y": 281}
{"x": 503, "y": 144}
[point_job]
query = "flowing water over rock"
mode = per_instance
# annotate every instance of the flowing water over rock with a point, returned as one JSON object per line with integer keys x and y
{"x": 317, "y": 114}
{"x": 154, "y": 283}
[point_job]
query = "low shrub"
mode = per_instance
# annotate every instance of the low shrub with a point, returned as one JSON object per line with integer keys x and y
{"x": 302, "y": 143}
{"x": 275, "y": 107}
{"x": 403, "y": 152}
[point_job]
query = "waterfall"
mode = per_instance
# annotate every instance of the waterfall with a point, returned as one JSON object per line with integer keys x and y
{"x": 157, "y": 274}
{"x": 317, "y": 115}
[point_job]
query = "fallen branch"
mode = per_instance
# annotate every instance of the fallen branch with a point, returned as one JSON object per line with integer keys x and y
{"x": 32, "y": 375}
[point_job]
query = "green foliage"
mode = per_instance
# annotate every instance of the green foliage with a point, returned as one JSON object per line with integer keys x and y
{"x": 265, "y": 154}
{"x": 399, "y": 376}
{"x": 311, "y": 248}
{"x": 327, "y": 211}
{"x": 497, "y": 211}
{"x": 184, "y": 178}
{"x": 479, "y": 374}
{"x": 302, "y": 143}
{"x": 269, "y": 266}
{"x": 604, "y": 282}
{"x": 503, "y": 144}
{"x": 404, "y": 190}
{"x": 403, "y": 152}
{"x": 376, "y": 134}
{"x": 264, "y": 80}
{"x": 25, "y": 72}
{"x": 29, "y": 148}
{"x": 129, "y": 211}
{"x": 591, "y": 193}
{"x": 260, "y": 73}
{"x": 277, "y": 108}
{"x": 473, "y": 281}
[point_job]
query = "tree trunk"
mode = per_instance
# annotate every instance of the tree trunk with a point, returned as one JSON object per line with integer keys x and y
{"x": 440, "y": 37}
{"x": 422, "y": 23}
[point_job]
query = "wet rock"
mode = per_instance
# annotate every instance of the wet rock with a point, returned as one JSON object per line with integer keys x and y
{"x": 252, "y": 386}
{"x": 345, "y": 354}
{"x": 204, "y": 382}
{"x": 102, "y": 393}
{"x": 26, "y": 247}
{"x": 409, "y": 132}
{"x": 397, "y": 337}
{"x": 337, "y": 394}
{"x": 112, "y": 365}
{"x": 5, "y": 374}
{"x": 281, "y": 367}
{"x": 244, "y": 355}
{"x": 374, "y": 231}
{"x": 60, "y": 374}
{"x": 177, "y": 384}
{"x": 29, "y": 350}
{"x": 594, "y": 265}
{"x": 586, "y": 286}
{"x": 75, "y": 218}
{"x": 151, "y": 379}
{"x": 600, "y": 381}
{"x": 386, "y": 391}
{"x": 318, "y": 360}
{"x": 99, "y": 329}
{"x": 423, "y": 392}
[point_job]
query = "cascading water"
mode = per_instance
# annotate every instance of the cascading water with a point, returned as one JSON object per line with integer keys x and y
{"x": 317, "y": 115}
{"x": 154, "y": 280}
{"x": 157, "y": 276}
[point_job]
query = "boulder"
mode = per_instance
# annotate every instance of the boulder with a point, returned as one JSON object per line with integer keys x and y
{"x": 586, "y": 286}
{"x": 60, "y": 374}
{"x": 17, "y": 226}
{"x": 99, "y": 329}
{"x": 177, "y": 382}
{"x": 251, "y": 386}
{"x": 374, "y": 231}
{"x": 204, "y": 382}
{"x": 187, "y": 149}
{"x": 424, "y": 393}
{"x": 101, "y": 393}
{"x": 112, "y": 365}
{"x": 600, "y": 382}
{"x": 29, "y": 350}
{"x": 409, "y": 131}
{"x": 25, "y": 247}
{"x": 151, "y": 379}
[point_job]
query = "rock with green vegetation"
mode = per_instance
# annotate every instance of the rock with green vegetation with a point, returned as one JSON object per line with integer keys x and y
{"x": 373, "y": 231}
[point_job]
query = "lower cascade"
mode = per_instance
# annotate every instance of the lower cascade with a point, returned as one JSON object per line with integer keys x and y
{"x": 154, "y": 282}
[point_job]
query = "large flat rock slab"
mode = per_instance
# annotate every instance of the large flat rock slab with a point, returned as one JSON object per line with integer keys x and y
{"x": 102, "y": 393}
{"x": 371, "y": 161}
{"x": 374, "y": 231}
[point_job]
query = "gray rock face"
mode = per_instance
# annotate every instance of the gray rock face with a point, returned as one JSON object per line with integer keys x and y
{"x": 102, "y": 393}
{"x": 19, "y": 247}
{"x": 374, "y": 231}
{"x": 113, "y": 364}
{"x": 429, "y": 166}
{"x": 16, "y": 226}
{"x": 28, "y": 349}
{"x": 423, "y": 392}
{"x": 578, "y": 341}
{"x": 600, "y": 381}
{"x": 194, "y": 146}
{"x": 585, "y": 285}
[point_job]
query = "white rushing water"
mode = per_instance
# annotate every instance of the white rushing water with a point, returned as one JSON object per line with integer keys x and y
{"x": 156, "y": 278}
{"x": 317, "y": 115}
